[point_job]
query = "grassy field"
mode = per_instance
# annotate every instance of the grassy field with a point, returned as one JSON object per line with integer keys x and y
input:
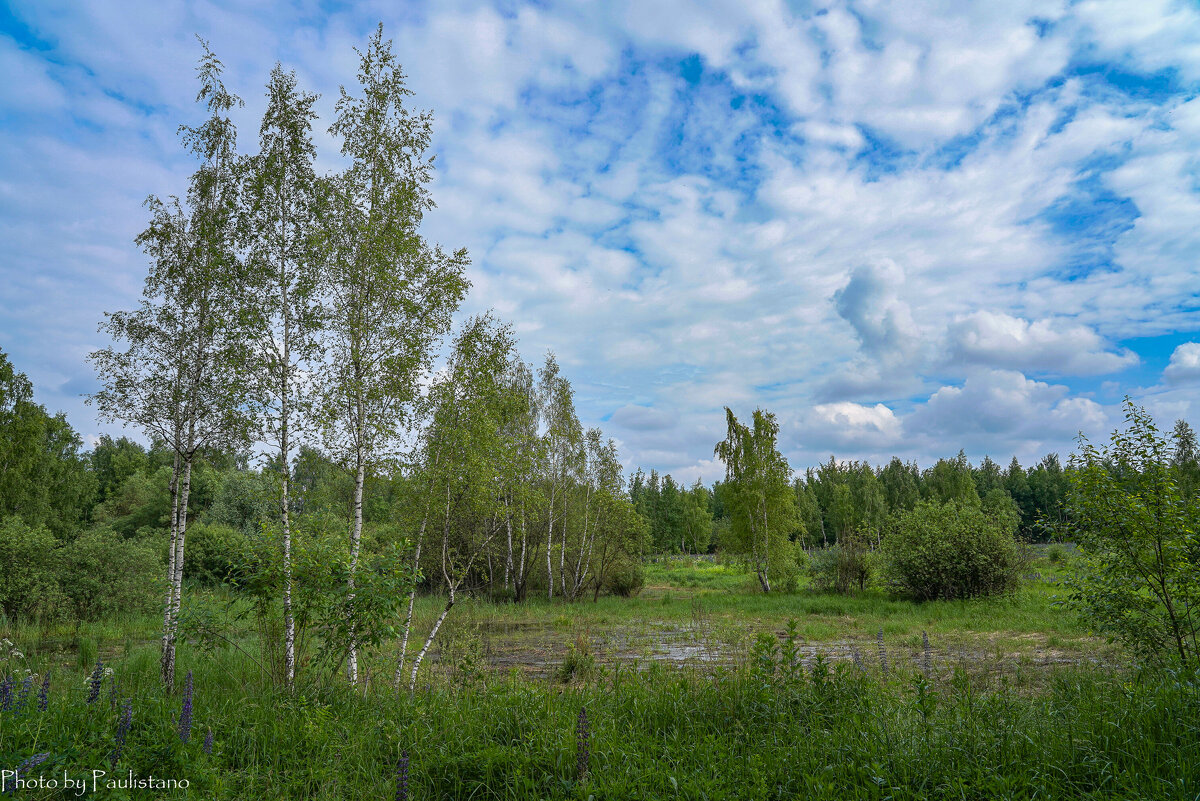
{"x": 697, "y": 688}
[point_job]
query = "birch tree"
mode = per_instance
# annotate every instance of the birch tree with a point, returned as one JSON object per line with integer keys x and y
{"x": 280, "y": 291}
{"x": 562, "y": 439}
{"x": 468, "y": 447}
{"x": 180, "y": 377}
{"x": 520, "y": 494}
{"x": 758, "y": 494}
{"x": 389, "y": 296}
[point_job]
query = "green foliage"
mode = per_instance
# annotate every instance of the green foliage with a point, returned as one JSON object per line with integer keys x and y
{"x": 29, "y": 584}
{"x": 1056, "y": 553}
{"x": 765, "y": 731}
{"x": 759, "y": 498}
{"x": 844, "y": 566}
{"x": 43, "y": 476}
{"x": 1138, "y": 535}
{"x": 950, "y": 550}
{"x": 214, "y": 553}
{"x": 102, "y": 574}
{"x": 625, "y": 578}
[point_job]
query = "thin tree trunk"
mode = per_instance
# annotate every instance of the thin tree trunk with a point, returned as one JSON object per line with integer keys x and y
{"x": 177, "y": 575}
{"x": 355, "y": 547}
{"x": 412, "y": 599}
{"x": 289, "y": 624}
{"x": 508, "y": 562}
{"x": 412, "y": 683}
{"x": 167, "y": 659}
{"x": 550, "y": 547}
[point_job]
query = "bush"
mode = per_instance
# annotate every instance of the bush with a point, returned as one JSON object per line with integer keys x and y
{"x": 950, "y": 550}
{"x": 1056, "y": 553}
{"x": 102, "y": 573}
{"x": 625, "y": 579}
{"x": 29, "y": 585}
{"x": 214, "y": 553}
{"x": 842, "y": 567}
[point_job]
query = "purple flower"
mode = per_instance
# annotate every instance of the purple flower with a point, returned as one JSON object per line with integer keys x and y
{"x": 122, "y": 730}
{"x": 44, "y": 693}
{"x": 26, "y": 686}
{"x": 6, "y": 696}
{"x": 402, "y": 777}
{"x": 26, "y": 766}
{"x": 582, "y": 744}
{"x": 208, "y": 742}
{"x": 185, "y": 714}
{"x": 95, "y": 682}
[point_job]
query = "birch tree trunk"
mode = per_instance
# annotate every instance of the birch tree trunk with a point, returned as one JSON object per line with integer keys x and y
{"x": 167, "y": 657}
{"x": 355, "y": 547}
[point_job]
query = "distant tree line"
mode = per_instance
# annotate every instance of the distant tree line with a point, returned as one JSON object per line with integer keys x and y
{"x": 837, "y": 499}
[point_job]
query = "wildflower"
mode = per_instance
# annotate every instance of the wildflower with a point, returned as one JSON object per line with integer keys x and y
{"x": 26, "y": 686}
{"x": 6, "y": 688}
{"x": 122, "y": 730}
{"x": 402, "y": 777}
{"x": 208, "y": 742}
{"x": 882, "y": 653}
{"x": 582, "y": 738}
{"x": 29, "y": 765}
{"x": 857, "y": 657}
{"x": 44, "y": 693}
{"x": 185, "y": 714}
{"x": 95, "y": 681}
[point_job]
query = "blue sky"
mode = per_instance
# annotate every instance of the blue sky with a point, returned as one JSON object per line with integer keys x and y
{"x": 905, "y": 228}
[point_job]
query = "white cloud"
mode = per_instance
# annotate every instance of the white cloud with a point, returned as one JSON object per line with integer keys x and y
{"x": 1184, "y": 367}
{"x": 1056, "y": 346}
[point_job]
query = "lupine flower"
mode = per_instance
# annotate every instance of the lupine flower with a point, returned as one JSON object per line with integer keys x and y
{"x": 95, "y": 681}
{"x": 402, "y": 777}
{"x": 28, "y": 765}
{"x": 6, "y": 688}
{"x": 208, "y": 742}
{"x": 44, "y": 693}
{"x": 582, "y": 742}
{"x": 927, "y": 664}
{"x": 122, "y": 730}
{"x": 185, "y": 714}
{"x": 857, "y": 657}
{"x": 23, "y": 696}
{"x": 882, "y": 653}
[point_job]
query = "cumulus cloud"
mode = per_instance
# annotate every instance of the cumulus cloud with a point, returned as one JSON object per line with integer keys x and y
{"x": 1005, "y": 408}
{"x": 869, "y": 302}
{"x": 1184, "y": 367}
{"x": 997, "y": 339}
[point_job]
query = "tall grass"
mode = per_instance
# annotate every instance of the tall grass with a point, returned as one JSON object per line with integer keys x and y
{"x": 764, "y": 730}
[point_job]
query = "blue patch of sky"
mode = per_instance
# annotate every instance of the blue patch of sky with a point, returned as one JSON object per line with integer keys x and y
{"x": 1155, "y": 353}
{"x": 1089, "y": 218}
{"x": 17, "y": 29}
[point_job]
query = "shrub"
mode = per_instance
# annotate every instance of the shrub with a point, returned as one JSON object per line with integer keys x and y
{"x": 29, "y": 584}
{"x": 950, "y": 550}
{"x": 625, "y": 579}
{"x": 102, "y": 573}
{"x": 215, "y": 553}
{"x": 1056, "y": 553}
{"x": 842, "y": 567}
{"x": 1138, "y": 539}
